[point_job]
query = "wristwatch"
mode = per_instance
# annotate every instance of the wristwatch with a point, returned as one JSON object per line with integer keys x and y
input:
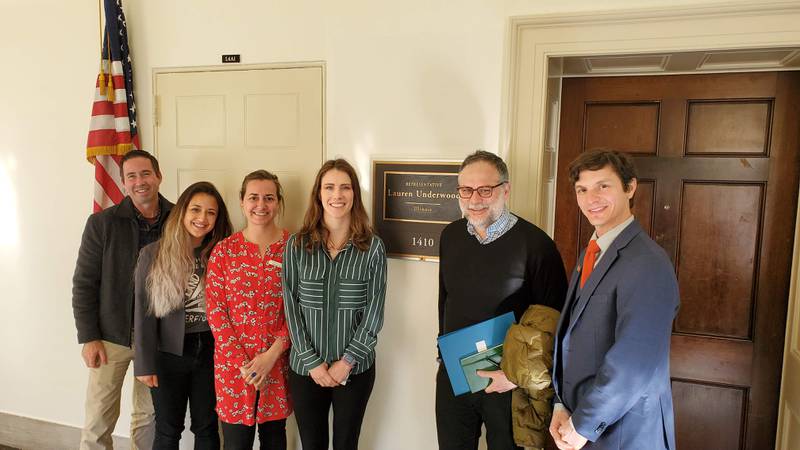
{"x": 349, "y": 360}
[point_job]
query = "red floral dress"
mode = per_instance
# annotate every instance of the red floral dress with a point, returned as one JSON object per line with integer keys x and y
{"x": 245, "y": 311}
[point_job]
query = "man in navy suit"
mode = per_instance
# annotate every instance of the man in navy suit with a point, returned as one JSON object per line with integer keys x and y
{"x": 611, "y": 370}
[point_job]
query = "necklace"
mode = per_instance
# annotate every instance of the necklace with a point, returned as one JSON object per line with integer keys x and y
{"x": 334, "y": 246}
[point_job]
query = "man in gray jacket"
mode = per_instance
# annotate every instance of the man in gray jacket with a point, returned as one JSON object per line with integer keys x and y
{"x": 102, "y": 300}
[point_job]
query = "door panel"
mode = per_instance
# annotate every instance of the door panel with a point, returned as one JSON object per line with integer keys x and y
{"x": 729, "y": 127}
{"x": 220, "y": 126}
{"x": 718, "y": 161}
{"x": 693, "y": 397}
{"x": 717, "y": 276}
{"x": 603, "y": 120}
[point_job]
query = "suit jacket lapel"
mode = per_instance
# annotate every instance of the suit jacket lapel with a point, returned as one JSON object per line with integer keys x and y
{"x": 573, "y": 286}
{"x": 600, "y": 270}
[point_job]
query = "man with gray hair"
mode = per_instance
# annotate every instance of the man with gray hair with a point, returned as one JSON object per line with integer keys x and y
{"x": 491, "y": 262}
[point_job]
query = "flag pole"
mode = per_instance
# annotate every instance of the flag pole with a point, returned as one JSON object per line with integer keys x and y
{"x": 102, "y": 76}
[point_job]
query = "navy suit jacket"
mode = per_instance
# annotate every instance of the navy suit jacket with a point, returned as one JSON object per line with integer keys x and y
{"x": 612, "y": 353}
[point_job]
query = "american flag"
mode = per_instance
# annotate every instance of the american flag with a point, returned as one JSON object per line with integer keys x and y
{"x": 112, "y": 131}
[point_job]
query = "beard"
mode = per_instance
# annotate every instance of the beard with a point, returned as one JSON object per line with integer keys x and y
{"x": 495, "y": 211}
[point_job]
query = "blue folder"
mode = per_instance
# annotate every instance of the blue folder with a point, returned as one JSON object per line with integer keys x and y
{"x": 460, "y": 343}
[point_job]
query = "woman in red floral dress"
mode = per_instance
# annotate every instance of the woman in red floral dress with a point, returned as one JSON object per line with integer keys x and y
{"x": 245, "y": 312}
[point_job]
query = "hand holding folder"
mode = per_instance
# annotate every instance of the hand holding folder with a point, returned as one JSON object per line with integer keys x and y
{"x": 488, "y": 359}
{"x": 468, "y": 342}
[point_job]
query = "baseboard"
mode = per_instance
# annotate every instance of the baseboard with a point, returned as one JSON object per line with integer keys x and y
{"x": 31, "y": 434}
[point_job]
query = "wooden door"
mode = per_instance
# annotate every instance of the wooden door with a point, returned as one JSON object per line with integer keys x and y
{"x": 718, "y": 162}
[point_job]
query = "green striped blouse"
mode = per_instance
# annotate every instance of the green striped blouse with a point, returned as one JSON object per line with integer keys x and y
{"x": 334, "y": 307}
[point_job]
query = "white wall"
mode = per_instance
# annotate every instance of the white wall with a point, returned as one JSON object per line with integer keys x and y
{"x": 412, "y": 79}
{"x": 49, "y": 59}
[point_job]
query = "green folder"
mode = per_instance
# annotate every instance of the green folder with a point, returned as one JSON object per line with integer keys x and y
{"x": 488, "y": 359}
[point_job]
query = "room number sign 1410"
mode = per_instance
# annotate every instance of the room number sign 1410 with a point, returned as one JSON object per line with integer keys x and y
{"x": 422, "y": 242}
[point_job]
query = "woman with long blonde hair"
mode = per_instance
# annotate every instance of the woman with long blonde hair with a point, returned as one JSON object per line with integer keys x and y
{"x": 334, "y": 284}
{"x": 172, "y": 340}
{"x": 245, "y": 310}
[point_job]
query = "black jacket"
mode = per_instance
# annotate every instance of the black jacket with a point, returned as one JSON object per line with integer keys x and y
{"x": 153, "y": 334}
{"x": 102, "y": 287}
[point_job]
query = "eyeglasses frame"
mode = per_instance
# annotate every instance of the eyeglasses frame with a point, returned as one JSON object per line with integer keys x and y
{"x": 474, "y": 190}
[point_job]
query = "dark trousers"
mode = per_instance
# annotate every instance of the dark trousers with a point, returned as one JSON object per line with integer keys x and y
{"x": 312, "y": 403}
{"x": 271, "y": 435}
{"x": 459, "y": 419}
{"x": 181, "y": 379}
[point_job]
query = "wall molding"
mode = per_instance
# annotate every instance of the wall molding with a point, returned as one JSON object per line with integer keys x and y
{"x": 655, "y": 14}
{"x": 26, "y": 433}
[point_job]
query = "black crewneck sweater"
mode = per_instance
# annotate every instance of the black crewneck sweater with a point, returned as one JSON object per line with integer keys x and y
{"x": 480, "y": 281}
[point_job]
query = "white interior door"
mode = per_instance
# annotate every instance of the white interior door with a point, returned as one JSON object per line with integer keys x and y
{"x": 218, "y": 126}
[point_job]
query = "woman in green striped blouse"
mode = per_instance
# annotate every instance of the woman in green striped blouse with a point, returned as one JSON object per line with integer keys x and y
{"x": 334, "y": 284}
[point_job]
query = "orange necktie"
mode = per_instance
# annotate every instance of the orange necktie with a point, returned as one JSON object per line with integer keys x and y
{"x": 588, "y": 261}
